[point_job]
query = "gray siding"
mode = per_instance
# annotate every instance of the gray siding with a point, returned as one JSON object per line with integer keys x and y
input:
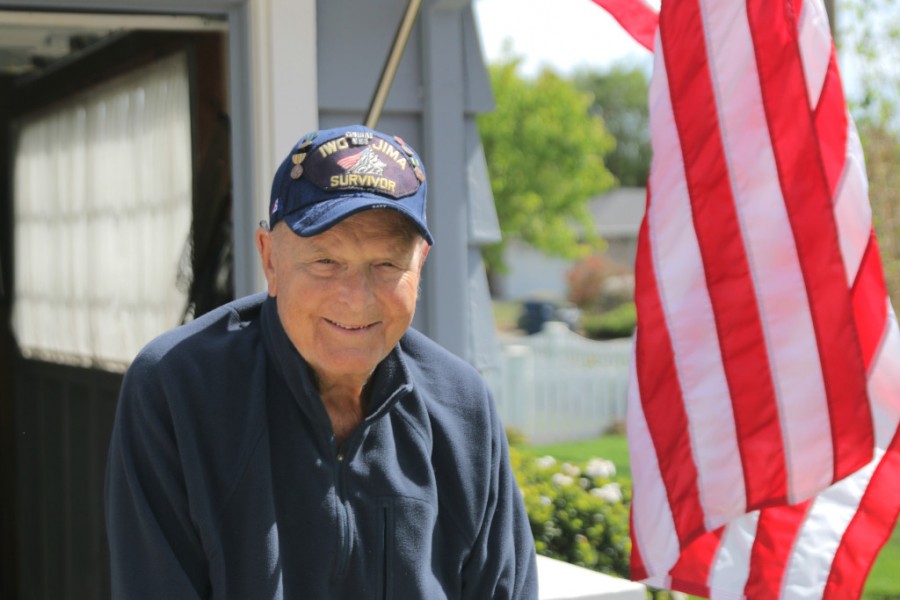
{"x": 440, "y": 87}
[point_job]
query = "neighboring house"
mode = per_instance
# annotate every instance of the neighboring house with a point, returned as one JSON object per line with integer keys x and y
{"x": 531, "y": 274}
{"x": 617, "y": 216}
{"x": 138, "y": 139}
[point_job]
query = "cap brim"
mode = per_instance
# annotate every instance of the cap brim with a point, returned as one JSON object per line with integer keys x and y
{"x": 326, "y": 214}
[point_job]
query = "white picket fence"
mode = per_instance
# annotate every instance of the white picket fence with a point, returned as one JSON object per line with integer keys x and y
{"x": 558, "y": 386}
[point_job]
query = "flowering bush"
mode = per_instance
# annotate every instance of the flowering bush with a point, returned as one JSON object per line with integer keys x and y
{"x": 588, "y": 283}
{"x": 578, "y": 513}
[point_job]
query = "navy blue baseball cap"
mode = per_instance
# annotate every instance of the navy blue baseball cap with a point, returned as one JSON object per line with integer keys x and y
{"x": 334, "y": 173}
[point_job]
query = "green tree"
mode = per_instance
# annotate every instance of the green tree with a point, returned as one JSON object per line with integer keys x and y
{"x": 620, "y": 99}
{"x": 868, "y": 37}
{"x": 545, "y": 154}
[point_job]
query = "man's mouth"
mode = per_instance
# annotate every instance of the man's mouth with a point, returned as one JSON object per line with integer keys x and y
{"x": 346, "y": 327}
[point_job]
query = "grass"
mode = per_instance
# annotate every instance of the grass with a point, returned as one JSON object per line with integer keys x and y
{"x": 883, "y": 582}
{"x": 610, "y": 447}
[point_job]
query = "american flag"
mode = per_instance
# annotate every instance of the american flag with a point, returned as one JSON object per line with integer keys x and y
{"x": 765, "y": 389}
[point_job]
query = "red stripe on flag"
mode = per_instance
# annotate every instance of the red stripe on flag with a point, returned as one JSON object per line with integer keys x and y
{"x": 869, "y": 529}
{"x": 728, "y": 277}
{"x": 870, "y": 302}
{"x": 661, "y": 398}
{"x": 636, "y": 567}
{"x": 635, "y": 17}
{"x": 805, "y": 189}
{"x": 831, "y": 126}
{"x": 694, "y": 564}
{"x": 869, "y": 291}
{"x": 776, "y": 531}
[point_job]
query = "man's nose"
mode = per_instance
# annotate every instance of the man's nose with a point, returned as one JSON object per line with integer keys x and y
{"x": 356, "y": 287}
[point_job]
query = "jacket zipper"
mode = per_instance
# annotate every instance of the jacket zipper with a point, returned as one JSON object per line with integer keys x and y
{"x": 344, "y": 543}
{"x": 342, "y": 454}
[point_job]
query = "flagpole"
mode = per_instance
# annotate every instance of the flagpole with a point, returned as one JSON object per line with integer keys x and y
{"x": 391, "y": 64}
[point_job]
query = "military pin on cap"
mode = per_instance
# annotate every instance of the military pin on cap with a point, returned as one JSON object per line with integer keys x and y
{"x": 297, "y": 170}
{"x": 403, "y": 145}
{"x": 420, "y": 175}
{"x": 307, "y": 142}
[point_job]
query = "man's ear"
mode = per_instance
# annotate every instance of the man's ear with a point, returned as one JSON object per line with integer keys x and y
{"x": 264, "y": 244}
{"x": 425, "y": 249}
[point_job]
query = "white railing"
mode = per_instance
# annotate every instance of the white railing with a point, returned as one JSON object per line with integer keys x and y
{"x": 558, "y": 580}
{"x": 558, "y": 386}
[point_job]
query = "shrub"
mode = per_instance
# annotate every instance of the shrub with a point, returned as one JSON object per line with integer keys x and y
{"x": 615, "y": 323}
{"x": 578, "y": 513}
{"x": 515, "y": 437}
{"x": 586, "y": 280}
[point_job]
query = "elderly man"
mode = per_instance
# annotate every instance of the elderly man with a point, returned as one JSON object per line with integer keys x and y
{"x": 306, "y": 443}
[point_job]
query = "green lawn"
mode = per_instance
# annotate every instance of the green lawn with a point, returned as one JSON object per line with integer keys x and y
{"x": 883, "y": 582}
{"x": 610, "y": 447}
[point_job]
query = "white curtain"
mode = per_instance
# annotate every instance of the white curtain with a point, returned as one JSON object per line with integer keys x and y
{"x": 102, "y": 193}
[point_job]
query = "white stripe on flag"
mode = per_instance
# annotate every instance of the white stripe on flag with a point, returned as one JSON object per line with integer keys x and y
{"x": 884, "y": 384}
{"x": 732, "y": 565}
{"x": 815, "y": 48}
{"x": 679, "y": 270}
{"x": 851, "y": 207}
{"x": 825, "y": 523}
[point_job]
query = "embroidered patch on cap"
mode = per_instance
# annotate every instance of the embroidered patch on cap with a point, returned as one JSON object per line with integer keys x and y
{"x": 361, "y": 161}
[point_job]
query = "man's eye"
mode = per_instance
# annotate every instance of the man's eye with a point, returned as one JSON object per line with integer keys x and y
{"x": 325, "y": 261}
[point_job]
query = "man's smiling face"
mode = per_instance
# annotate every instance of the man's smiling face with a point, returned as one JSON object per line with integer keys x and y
{"x": 346, "y": 296}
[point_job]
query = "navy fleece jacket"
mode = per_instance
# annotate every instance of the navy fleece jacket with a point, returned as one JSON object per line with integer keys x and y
{"x": 224, "y": 479}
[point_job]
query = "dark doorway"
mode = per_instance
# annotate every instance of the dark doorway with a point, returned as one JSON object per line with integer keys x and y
{"x": 55, "y": 419}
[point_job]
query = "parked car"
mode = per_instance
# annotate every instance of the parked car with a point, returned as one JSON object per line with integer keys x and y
{"x": 537, "y": 312}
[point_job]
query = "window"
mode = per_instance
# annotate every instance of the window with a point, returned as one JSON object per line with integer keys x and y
{"x": 102, "y": 196}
